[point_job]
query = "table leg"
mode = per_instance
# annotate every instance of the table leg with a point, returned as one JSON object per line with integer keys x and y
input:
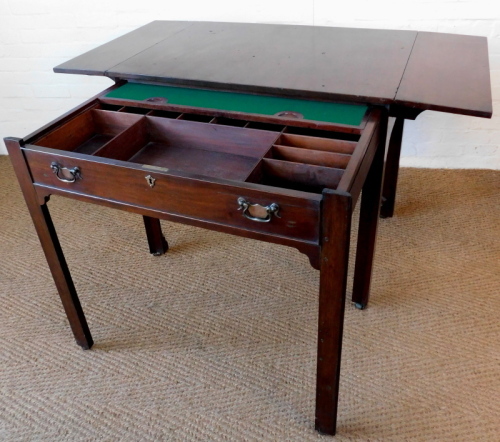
{"x": 368, "y": 223}
{"x": 337, "y": 209}
{"x": 62, "y": 278}
{"x": 157, "y": 243}
{"x": 51, "y": 247}
{"x": 392, "y": 169}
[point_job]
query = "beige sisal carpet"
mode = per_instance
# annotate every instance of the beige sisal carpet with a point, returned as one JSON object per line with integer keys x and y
{"x": 216, "y": 340}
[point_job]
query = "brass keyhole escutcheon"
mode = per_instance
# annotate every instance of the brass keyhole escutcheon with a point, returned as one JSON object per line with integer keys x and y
{"x": 150, "y": 180}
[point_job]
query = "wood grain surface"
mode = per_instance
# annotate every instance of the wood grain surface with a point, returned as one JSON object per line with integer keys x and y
{"x": 356, "y": 64}
{"x": 448, "y": 73}
{"x": 417, "y": 70}
{"x": 99, "y": 60}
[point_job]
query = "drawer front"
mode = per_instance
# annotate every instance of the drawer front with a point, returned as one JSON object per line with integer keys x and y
{"x": 294, "y": 216}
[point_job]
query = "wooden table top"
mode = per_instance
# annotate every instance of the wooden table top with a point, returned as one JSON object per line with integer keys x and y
{"x": 418, "y": 70}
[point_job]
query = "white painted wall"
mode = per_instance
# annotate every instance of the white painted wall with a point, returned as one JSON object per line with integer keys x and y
{"x": 36, "y": 35}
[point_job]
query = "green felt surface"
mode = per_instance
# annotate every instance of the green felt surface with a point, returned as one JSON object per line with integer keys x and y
{"x": 350, "y": 114}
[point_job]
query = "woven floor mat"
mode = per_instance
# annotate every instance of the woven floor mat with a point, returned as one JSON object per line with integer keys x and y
{"x": 216, "y": 340}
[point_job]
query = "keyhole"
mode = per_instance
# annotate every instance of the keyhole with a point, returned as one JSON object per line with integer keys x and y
{"x": 150, "y": 180}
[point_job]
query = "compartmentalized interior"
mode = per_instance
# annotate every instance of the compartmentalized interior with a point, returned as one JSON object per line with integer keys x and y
{"x": 297, "y": 176}
{"x": 193, "y": 147}
{"x": 88, "y": 132}
{"x": 209, "y": 145}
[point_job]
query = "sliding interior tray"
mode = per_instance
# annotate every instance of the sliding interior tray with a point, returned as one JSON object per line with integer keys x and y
{"x": 212, "y": 146}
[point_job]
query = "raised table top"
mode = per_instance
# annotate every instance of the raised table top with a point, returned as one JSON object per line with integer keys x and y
{"x": 416, "y": 70}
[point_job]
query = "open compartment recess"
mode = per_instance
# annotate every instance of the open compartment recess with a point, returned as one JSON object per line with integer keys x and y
{"x": 209, "y": 145}
{"x": 88, "y": 131}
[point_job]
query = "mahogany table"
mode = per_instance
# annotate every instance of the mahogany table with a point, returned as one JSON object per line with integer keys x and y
{"x": 263, "y": 131}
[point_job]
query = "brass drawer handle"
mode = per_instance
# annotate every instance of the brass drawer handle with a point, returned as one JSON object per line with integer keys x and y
{"x": 63, "y": 172}
{"x": 256, "y": 212}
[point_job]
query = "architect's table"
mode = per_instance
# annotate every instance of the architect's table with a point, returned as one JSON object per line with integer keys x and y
{"x": 268, "y": 132}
